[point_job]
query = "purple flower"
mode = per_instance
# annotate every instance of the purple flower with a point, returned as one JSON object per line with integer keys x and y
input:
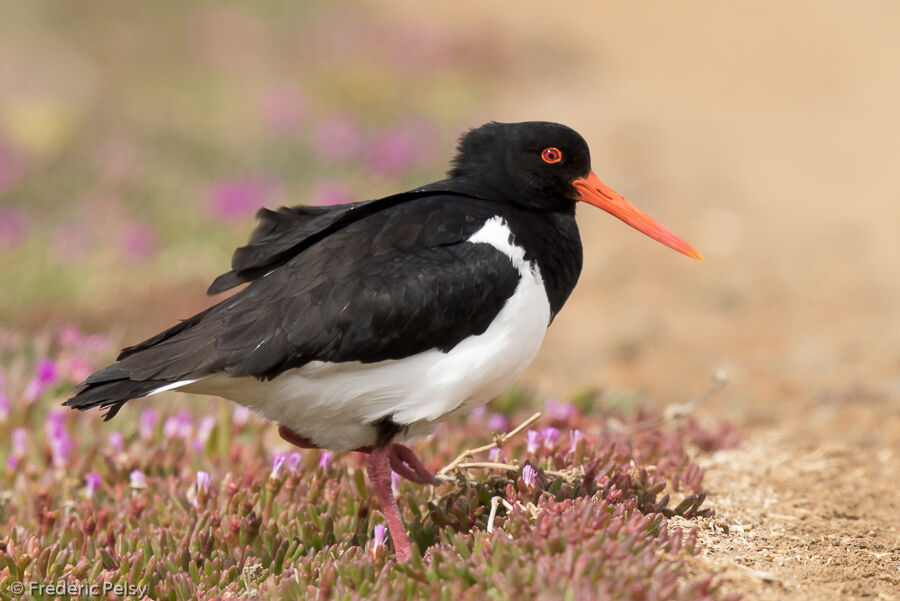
{"x": 138, "y": 241}
{"x": 115, "y": 441}
{"x": 550, "y": 436}
{"x": 574, "y": 437}
{"x": 529, "y": 476}
{"x": 4, "y": 407}
{"x": 178, "y": 426}
{"x": 19, "y": 439}
{"x": 495, "y": 454}
{"x": 532, "y": 440}
{"x": 277, "y": 464}
{"x": 91, "y": 482}
{"x": 379, "y": 536}
{"x": 203, "y": 482}
{"x": 325, "y": 461}
{"x": 336, "y": 138}
{"x": 233, "y": 200}
{"x": 558, "y": 411}
{"x": 282, "y": 108}
{"x": 204, "y": 429}
{"x": 13, "y": 224}
{"x": 329, "y": 192}
{"x": 45, "y": 374}
{"x": 76, "y": 369}
{"x": 240, "y": 415}
{"x": 395, "y": 483}
{"x": 137, "y": 479}
{"x": 147, "y": 424}
{"x": 498, "y": 422}
{"x": 58, "y": 438}
{"x": 478, "y": 414}
{"x": 293, "y": 462}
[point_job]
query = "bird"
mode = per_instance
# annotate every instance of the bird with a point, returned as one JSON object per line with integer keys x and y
{"x": 366, "y": 325}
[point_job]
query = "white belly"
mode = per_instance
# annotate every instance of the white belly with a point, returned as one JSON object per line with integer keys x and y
{"x": 334, "y": 404}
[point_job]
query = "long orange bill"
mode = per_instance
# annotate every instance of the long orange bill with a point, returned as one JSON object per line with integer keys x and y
{"x": 592, "y": 191}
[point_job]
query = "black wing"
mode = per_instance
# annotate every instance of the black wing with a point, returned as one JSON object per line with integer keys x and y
{"x": 397, "y": 282}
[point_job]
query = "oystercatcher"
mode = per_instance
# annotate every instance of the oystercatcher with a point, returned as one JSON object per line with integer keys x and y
{"x": 368, "y": 324}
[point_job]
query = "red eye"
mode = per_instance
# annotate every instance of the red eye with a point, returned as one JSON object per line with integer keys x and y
{"x": 551, "y": 155}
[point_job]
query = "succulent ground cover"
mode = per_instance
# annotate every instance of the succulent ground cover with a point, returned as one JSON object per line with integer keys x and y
{"x": 197, "y": 500}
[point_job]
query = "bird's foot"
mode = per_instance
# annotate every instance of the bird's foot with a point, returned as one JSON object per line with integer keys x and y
{"x": 379, "y": 468}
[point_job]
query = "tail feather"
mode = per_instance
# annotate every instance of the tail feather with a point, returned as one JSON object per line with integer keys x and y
{"x": 109, "y": 396}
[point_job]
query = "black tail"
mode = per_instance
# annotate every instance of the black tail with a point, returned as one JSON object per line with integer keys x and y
{"x": 109, "y": 396}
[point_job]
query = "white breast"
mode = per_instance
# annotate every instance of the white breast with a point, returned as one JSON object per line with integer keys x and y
{"x": 334, "y": 404}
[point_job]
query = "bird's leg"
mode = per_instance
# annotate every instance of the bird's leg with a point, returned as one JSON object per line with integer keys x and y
{"x": 379, "y": 468}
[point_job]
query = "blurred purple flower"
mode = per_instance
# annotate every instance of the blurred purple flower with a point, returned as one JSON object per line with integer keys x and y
{"x": 45, "y": 374}
{"x": 91, "y": 481}
{"x": 233, "y": 200}
{"x": 329, "y": 192}
{"x": 70, "y": 243}
{"x": 336, "y": 138}
{"x": 71, "y": 336}
{"x": 558, "y": 411}
{"x": 178, "y": 426}
{"x": 498, "y": 422}
{"x": 325, "y": 461}
{"x": 293, "y": 462}
{"x": 76, "y": 369}
{"x": 58, "y": 438}
{"x": 401, "y": 147}
{"x": 147, "y": 424}
{"x": 495, "y": 454}
{"x": 478, "y": 414}
{"x": 532, "y": 440}
{"x": 115, "y": 441}
{"x": 574, "y": 437}
{"x": 277, "y": 464}
{"x": 529, "y": 476}
{"x": 13, "y": 226}
{"x": 550, "y": 436}
{"x": 137, "y": 479}
{"x": 203, "y": 482}
{"x": 379, "y": 536}
{"x": 4, "y": 406}
{"x": 240, "y": 415}
{"x": 138, "y": 241}
{"x": 282, "y": 108}
{"x": 204, "y": 430}
{"x": 395, "y": 483}
{"x": 19, "y": 439}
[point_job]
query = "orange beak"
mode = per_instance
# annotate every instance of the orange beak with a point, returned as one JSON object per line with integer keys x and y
{"x": 592, "y": 191}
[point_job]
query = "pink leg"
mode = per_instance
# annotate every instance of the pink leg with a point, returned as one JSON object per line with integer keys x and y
{"x": 406, "y": 464}
{"x": 379, "y": 468}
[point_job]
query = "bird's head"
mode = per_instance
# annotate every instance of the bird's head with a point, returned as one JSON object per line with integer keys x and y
{"x": 547, "y": 166}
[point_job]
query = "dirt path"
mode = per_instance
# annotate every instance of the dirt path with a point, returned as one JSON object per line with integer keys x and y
{"x": 767, "y": 136}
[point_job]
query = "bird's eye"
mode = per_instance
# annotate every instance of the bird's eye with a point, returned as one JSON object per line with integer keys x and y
{"x": 551, "y": 155}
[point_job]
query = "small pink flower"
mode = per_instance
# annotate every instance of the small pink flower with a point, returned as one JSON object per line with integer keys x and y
{"x": 550, "y": 436}
{"x": 379, "y": 536}
{"x": 532, "y": 441}
{"x": 147, "y": 424}
{"x": 325, "y": 461}
{"x": 336, "y": 138}
{"x": 91, "y": 481}
{"x": 498, "y": 422}
{"x": 138, "y": 241}
{"x": 203, "y": 482}
{"x": 76, "y": 369}
{"x": 559, "y": 411}
{"x": 293, "y": 462}
{"x": 529, "y": 476}
{"x": 178, "y": 426}
{"x": 45, "y": 375}
{"x": 495, "y": 454}
{"x": 204, "y": 430}
{"x": 115, "y": 441}
{"x": 234, "y": 200}
{"x": 137, "y": 479}
{"x": 574, "y": 437}
{"x": 240, "y": 415}
{"x": 478, "y": 414}
{"x": 277, "y": 464}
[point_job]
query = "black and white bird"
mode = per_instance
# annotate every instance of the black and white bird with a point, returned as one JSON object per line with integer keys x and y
{"x": 368, "y": 324}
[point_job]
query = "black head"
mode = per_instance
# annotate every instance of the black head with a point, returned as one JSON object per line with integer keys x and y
{"x": 532, "y": 163}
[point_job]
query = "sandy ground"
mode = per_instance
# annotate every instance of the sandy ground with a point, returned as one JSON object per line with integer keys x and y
{"x": 767, "y": 135}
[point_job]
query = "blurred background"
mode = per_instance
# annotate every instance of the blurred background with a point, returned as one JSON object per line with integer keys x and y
{"x": 136, "y": 142}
